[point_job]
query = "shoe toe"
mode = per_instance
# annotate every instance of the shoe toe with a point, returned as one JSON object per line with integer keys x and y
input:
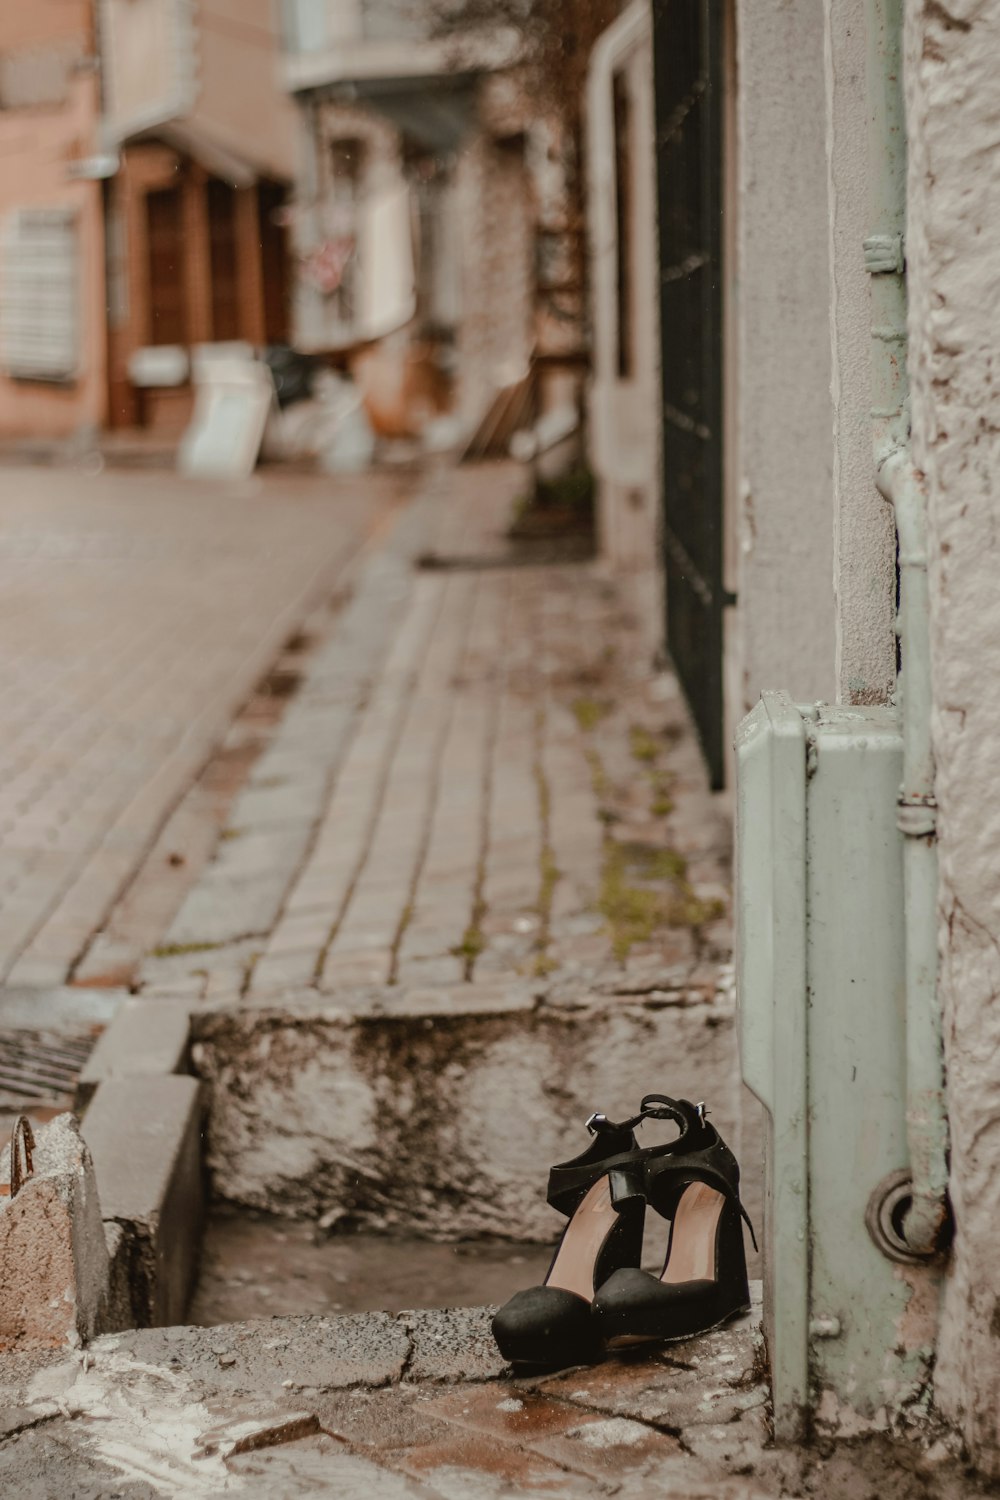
{"x": 545, "y": 1325}
{"x": 631, "y": 1303}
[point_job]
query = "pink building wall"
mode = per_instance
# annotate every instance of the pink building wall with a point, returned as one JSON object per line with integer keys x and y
{"x": 38, "y": 145}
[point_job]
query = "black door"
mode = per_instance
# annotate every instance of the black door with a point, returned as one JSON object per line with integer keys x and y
{"x": 688, "y": 40}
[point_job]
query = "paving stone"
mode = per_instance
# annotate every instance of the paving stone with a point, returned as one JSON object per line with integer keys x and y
{"x": 279, "y": 1357}
{"x": 321, "y": 1465}
{"x": 452, "y": 1344}
{"x": 145, "y": 1037}
{"x": 221, "y": 909}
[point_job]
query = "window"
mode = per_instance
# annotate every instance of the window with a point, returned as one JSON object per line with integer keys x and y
{"x": 40, "y": 295}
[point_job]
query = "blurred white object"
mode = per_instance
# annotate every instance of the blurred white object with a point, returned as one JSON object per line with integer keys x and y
{"x": 442, "y": 434}
{"x": 332, "y": 427}
{"x": 203, "y": 355}
{"x": 388, "y": 273}
{"x": 347, "y": 441}
{"x": 233, "y": 401}
{"x": 159, "y": 364}
{"x": 548, "y": 432}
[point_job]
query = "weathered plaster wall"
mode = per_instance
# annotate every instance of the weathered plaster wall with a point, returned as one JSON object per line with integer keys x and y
{"x": 953, "y": 110}
{"x": 787, "y": 609}
{"x": 864, "y": 533}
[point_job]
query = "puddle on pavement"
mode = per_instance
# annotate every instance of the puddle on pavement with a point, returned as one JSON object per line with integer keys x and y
{"x": 257, "y": 1266}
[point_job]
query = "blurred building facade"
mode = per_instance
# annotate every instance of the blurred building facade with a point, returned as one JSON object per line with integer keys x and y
{"x": 424, "y": 208}
{"x": 149, "y": 148}
{"x": 194, "y": 108}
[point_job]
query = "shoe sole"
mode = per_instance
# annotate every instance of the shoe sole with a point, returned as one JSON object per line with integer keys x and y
{"x": 552, "y": 1359}
{"x": 629, "y": 1340}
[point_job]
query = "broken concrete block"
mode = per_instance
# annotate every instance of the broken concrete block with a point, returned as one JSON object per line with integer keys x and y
{"x": 146, "y": 1037}
{"x": 145, "y": 1136}
{"x": 53, "y": 1254}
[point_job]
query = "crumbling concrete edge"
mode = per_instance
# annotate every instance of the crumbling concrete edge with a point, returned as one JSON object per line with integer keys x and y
{"x": 147, "y": 1041}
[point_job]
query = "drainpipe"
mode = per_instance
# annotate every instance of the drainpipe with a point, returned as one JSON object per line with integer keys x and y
{"x": 926, "y": 1215}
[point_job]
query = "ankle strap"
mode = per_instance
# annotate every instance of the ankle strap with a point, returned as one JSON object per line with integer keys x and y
{"x": 663, "y": 1173}
{"x": 655, "y": 1107}
{"x": 615, "y": 1152}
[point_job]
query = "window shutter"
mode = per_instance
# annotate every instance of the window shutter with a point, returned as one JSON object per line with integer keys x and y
{"x": 40, "y": 295}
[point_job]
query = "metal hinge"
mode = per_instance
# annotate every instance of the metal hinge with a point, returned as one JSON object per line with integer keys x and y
{"x": 885, "y": 255}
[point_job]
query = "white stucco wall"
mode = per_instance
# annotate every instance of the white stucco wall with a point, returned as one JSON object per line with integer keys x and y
{"x": 953, "y": 252}
{"x": 786, "y": 631}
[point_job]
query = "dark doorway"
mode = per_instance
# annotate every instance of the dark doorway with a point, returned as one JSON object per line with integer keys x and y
{"x": 274, "y": 261}
{"x": 223, "y": 258}
{"x": 688, "y": 64}
{"x": 165, "y": 239}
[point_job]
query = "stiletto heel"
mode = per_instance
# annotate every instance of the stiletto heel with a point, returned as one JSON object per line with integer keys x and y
{"x": 601, "y": 1193}
{"x": 704, "y": 1278}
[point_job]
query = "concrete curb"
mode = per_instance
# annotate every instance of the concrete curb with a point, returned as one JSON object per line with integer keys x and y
{"x": 143, "y": 1122}
{"x": 144, "y": 1134}
{"x": 147, "y": 1038}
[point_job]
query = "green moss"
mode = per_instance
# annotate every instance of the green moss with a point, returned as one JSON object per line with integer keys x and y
{"x": 632, "y": 912}
{"x": 644, "y": 889}
{"x": 598, "y": 775}
{"x": 589, "y": 712}
{"x": 643, "y": 745}
{"x": 688, "y": 910}
{"x": 180, "y": 950}
{"x": 662, "y": 804}
{"x": 650, "y": 863}
{"x": 471, "y": 946}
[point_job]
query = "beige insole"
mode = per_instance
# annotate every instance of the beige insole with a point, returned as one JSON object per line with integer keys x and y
{"x": 696, "y": 1227}
{"x": 573, "y": 1267}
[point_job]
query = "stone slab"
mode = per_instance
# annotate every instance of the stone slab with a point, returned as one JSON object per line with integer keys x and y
{"x": 145, "y": 1135}
{"x": 278, "y": 1357}
{"x": 453, "y": 1343}
{"x": 146, "y": 1038}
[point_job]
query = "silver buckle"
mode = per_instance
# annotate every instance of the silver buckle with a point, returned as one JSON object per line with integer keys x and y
{"x": 701, "y": 1112}
{"x": 596, "y": 1122}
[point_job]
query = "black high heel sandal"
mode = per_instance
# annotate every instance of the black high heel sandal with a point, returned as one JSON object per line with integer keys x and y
{"x": 601, "y": 1194}
{"x": 704, "y": 1278}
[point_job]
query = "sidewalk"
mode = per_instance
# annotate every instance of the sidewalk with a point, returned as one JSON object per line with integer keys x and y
{"x": 479, "y": 777}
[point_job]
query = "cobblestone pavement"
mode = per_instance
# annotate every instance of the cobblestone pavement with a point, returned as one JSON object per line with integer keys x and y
{"x": 479, "y": 777}
{"x": 137, "y": 613}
